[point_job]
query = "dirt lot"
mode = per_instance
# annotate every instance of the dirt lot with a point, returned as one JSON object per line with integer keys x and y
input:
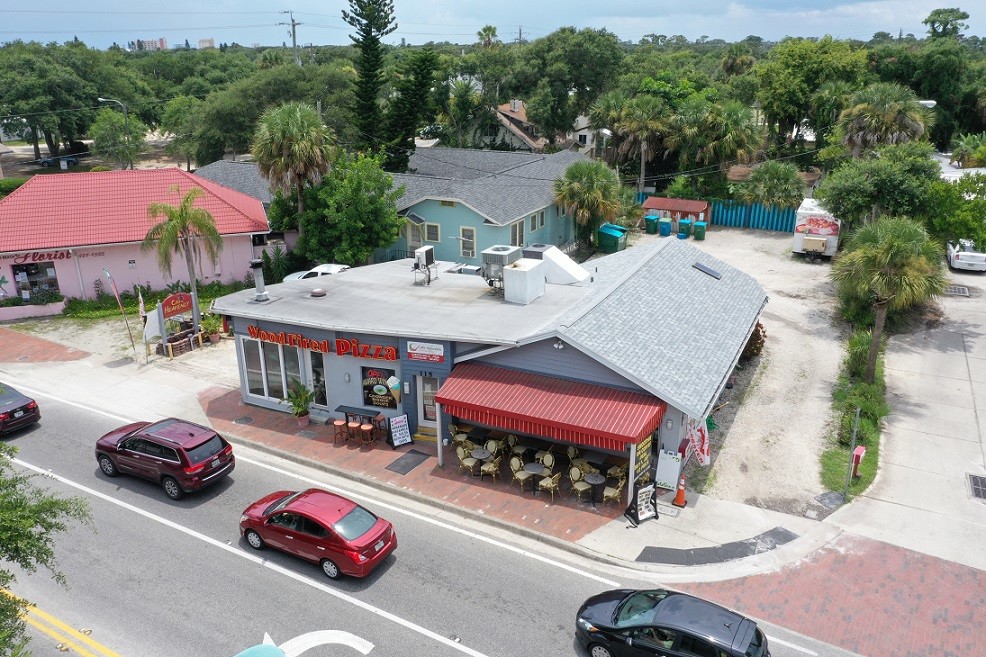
{"x": 775, "y": 421}
{"x": 22, "y": 161}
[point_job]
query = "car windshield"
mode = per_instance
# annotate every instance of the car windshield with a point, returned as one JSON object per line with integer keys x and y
{"x": 638, "y": 608}
{"x": 758, "y": 646}
{"x": 207, "y": 449}
{"x": 281, "y": 503}
{"x": 355, "y": 523}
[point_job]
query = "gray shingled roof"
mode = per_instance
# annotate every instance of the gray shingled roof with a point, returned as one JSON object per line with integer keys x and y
{"x": 664, "y": 324}
{"x": 645, "y": 312}
{"x": 242, "y": 176}
{"x": 505, "y": 187}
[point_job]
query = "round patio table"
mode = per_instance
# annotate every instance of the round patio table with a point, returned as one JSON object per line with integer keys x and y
{"x": 480, "y": 453}
{"x": 595, "y": 480}
{"x": 536, "y": 469}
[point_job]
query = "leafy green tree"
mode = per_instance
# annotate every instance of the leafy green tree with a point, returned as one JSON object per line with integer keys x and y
{"x": 293, "y": 148}
{"x": 372, "y": 20}
{"x": 943, "y": 23}
{"x": 409, "y": 109}
{"x": 894, "y": 265}
{"x": 179, "y": 120}
{"x": 965, "y": 148}
{"x": 487, "y": 37}
{"x": 184, "y": 230}
{"x": 736, "y": 60}
{"x": 462, "y": 115}
{"x": 30, "y": 517}
{"x": 882, "y": 113}
{"x": 352, "y": 212}
{"x": 589, "y": 192}
{"x": 958, "y": 209}
{"x": 773, "y": 184}
{"x": 117, "y": 137}
{"x": 825, "y": 106}
{"x": 561, "y": 75}
{"x": 896, "y": 182}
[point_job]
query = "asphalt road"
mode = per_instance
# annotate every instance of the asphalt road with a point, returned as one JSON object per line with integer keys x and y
{"x": 156, "y": 577}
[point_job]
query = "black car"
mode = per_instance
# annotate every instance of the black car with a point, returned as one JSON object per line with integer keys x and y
{"x": 632, "y": 623}
{"x": 16, "y": 410}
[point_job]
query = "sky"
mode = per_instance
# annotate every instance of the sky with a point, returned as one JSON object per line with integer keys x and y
{"x": 100, "y": 23}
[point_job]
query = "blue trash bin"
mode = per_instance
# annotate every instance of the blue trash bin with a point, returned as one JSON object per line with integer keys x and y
{"x": 664, "y": 227}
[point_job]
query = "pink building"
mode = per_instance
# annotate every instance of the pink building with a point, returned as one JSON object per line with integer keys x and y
{"x": 61, "y": 231}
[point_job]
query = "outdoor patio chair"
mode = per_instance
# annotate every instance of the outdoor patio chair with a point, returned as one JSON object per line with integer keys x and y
{"x": 550, "y": 484}
{"x": 520, "y": 474}
{"x": 491, "y": 468}
{"x": 614, "y": 494}
{"x": 579, "y": 486}
{"x": 466, "y": 461}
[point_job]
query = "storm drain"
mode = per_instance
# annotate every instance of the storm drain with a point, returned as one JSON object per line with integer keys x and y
{"x": 246, "y": 419}
{"x": 957, "y": 291}
{"x": 978, "y": 486}
{"x": 307, "y": 434}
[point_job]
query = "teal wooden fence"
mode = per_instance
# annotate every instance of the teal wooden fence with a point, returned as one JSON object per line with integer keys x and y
{"x": 752, "y": 215}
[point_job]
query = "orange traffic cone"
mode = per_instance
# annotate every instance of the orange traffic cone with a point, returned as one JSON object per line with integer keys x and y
{"x": 679, "y": 497}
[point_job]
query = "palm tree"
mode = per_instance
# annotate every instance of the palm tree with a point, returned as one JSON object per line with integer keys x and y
{"x": 590, "y": 192}
{"x": 773, "y": 184}
{"x": 605, "y": 114}
{"x": 732, "y": 134}
{"x": 487, "y": 36}
{"x": 825, "y": 106}
{"x": 882, "y": 113}
{"x": 642, "y": 123}
{"x": 177, "y": 233}
{"x": 292, "y": 146}
{"x": 463, "y": 113}
{"x": 736, "y": 60}
{"x": 964, "y": 148}
{"x": 894, "y": 264}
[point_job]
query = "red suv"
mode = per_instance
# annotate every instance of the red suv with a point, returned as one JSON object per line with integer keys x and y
{"x": 321, "y": 527}
{"x": 181, "y": 456}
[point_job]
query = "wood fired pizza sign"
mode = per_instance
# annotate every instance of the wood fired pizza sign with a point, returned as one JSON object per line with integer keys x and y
{"x": 178, "y": 303}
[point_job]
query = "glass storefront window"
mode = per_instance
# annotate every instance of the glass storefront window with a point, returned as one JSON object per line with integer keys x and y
{"x": 272, "y": 363}
{"x": 35, "y": 279}
{"x": 318, "y": 379}
{"x": 254, "y": 371}
{"x": 270, "y": 368}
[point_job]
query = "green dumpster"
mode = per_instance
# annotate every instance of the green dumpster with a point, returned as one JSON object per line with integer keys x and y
{"x": 699, "y": 230}
{"x": 685, "y": 227}
{"x": 611, "y": 238}
{"x": 651, "y": 225}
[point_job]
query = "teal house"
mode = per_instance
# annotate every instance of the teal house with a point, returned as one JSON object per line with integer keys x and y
{"x": 461, "y": 201}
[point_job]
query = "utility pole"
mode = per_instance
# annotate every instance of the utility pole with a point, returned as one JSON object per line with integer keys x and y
{"x": 294, "y": 35}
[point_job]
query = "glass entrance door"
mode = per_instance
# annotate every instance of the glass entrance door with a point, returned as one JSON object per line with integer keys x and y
{"x": 427, "y": 389}
{"x": 317, "y": 377}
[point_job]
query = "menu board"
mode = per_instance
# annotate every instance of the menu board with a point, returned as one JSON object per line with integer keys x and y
{"x": 643, "y": 506}
{"x": 642, "y": 462}
{"x": 400, "y": 432}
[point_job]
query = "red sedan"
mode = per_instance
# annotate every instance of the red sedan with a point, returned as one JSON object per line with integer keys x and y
{"x": 321, "y": 527}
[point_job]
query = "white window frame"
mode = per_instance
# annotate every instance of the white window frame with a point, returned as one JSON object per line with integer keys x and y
{"x": 438, "y": 233}
{"x": 541, "y": 220}
{"x": 534, "y": 222}
{"x": 463, "y": 251}
{"x": 517, "y": 232}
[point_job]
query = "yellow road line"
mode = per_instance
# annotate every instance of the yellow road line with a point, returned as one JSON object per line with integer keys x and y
{"x": 69, "y": 635}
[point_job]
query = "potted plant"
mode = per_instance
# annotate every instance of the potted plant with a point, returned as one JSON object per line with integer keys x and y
{"x": 211, "y": 326}
{"x": 300, "y": 399}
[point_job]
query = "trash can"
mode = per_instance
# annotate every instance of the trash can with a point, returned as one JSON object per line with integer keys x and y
{"x": 651, "y": 223}
{"x": 685, "y": 226}
{"x": 699, "y": 230}
{"x": 611, "y": 238}
{"x": 664, "y": 227}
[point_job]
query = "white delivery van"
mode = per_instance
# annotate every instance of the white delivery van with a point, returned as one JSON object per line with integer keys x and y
{"x": 816, "y": 230}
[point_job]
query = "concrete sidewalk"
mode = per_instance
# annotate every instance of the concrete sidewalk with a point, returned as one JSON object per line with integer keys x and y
{"x": 863, "y": 579}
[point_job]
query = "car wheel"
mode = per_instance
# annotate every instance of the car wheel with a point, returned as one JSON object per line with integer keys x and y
{"x": 253, "y": 538}
{"x": 46, "y": 164}
{"x": 172, "y": 489}
{"x": 106, "y": 465}
{"x": 596, "y": 650}
{"x": 330, "y": 569}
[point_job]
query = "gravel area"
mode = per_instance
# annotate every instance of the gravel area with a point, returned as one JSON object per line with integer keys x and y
{"x": 774, "y": 424}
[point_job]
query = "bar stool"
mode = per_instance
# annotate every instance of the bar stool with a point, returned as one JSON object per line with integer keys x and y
{"x": 339, "y": 430}
{"x": 352, "y": 429}
{"x": 366, "y": 434}
{"x": 380, "y": 426}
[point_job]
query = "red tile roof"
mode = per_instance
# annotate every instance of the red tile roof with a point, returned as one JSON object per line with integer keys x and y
{"x": 682, "y": 205}
{"x": 539, "y": 405}
{"x": 82, "y": 209}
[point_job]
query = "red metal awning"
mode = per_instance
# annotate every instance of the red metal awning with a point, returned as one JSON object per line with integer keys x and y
{"x": 570, "y": 411}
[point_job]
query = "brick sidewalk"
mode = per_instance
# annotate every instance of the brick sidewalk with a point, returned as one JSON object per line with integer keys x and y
{"x": 18, "y": 347}
{"x": 869, "y": 597}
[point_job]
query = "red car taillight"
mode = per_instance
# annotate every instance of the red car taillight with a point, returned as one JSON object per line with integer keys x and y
{"x": 358, "y": 557}
{"x": 194, "y": 468}
{"x": 4, "y": 416}
{"x": 32, "y": 405}
{"x": 227, "y": 450}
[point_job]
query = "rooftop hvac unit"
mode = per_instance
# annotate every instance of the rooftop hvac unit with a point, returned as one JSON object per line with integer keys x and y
{"x": 424, "y": 256}
{"x": 496, "y": 258}
{"x": 536, "y": 251}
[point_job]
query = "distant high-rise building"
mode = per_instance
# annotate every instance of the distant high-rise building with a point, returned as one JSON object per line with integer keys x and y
{"x": 153, "y": 44}
{"x": 206, "y": 43}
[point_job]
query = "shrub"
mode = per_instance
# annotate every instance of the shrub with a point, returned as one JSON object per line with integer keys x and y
{"x": 856, "y": 354}
{"x": 44, "y": 296}
{"x": 8, "y": 185}
{"x": 754, "y": 346}
{"x": 100, "y": 167}
{"x": 11, "y": 301}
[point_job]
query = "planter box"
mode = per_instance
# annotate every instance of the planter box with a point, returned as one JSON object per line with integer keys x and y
{"x": 179, "y": 343}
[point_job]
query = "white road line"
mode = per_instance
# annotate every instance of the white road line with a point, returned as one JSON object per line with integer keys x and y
{"x": 438, "y": 523}
{"x": 260, "y": 561}
{"x": 793, "y": 645}
{"x": 61, "y": 400}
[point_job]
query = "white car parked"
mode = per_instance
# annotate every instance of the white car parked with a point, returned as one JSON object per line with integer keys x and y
{"x": 317, "y": 270}
{"x": 964, "y": 255}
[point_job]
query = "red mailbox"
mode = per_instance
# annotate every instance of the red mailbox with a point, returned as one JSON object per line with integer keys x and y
{"x": 857, "y": 458}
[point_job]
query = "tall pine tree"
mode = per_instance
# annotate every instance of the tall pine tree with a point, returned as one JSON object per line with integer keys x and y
{"x": 372, "y": 20}
{"x": 409, "y": 107}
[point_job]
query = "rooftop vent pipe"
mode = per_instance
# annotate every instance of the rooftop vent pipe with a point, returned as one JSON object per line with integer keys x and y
{"x": 258, "y": 280}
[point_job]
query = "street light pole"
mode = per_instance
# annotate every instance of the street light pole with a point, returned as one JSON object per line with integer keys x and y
{"x": 126, "y": 128}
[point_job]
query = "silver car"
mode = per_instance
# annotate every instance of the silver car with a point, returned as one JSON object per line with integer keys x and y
{"x": 317, "y": 270}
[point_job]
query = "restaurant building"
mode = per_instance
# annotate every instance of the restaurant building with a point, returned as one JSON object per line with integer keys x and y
{"x": 62, "y": 233}
{"x": 630, "y": 349}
